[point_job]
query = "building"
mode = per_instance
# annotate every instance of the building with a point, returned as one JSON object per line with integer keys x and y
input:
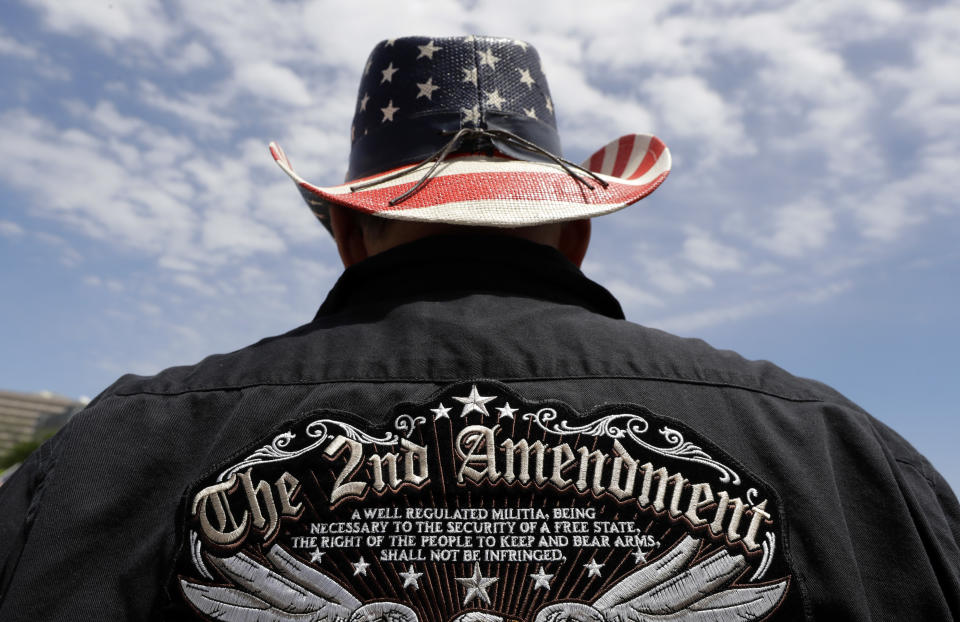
{"x": 23, "y": 416}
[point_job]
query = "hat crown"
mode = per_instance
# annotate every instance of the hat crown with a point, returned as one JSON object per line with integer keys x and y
{"x": 416, "y": 90}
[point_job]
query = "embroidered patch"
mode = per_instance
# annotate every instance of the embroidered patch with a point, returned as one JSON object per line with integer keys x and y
{"x": 480, "y": 506}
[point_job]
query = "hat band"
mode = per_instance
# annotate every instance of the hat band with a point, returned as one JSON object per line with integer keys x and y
{"x": 419, "y": 138}
{"x": 502, "y": 139}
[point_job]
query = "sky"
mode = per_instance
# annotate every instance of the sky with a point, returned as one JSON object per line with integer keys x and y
{"x": 810, "y": 219}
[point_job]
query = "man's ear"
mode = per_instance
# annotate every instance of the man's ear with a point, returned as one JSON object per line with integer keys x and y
{"x": 348, "y": 234}
{"x": 574, "y": 239}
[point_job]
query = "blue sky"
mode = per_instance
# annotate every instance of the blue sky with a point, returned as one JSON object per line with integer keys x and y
{"x": 811, "y": 217}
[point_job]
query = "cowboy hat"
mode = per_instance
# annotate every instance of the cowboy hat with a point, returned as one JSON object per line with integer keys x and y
{"x": 461, "y": 130}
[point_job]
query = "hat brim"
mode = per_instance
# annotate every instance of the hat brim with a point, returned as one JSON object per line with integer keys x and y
{"x": 499, "y": 191}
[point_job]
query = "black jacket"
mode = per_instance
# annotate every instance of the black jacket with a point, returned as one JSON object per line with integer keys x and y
{"x": 469, "y": 426}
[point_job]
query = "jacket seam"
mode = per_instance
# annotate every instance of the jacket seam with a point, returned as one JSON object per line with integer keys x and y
{"x": 425, "y": 380}
{"x": 919, "y": 468}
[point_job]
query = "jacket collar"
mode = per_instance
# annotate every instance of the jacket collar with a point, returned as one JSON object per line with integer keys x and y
{"x": 454, "y": 266}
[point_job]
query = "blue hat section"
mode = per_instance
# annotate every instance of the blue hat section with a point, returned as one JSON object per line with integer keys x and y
{"x": 417, "y": 91}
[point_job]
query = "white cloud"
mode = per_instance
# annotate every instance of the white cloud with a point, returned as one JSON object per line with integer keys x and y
{"x": 235, "y": 234}
{"x": 10, "y": 229}
{"x": 193, "y": 55}
{"x": 928, "y": 87}
{"x": 686, "y": 323}
{"x": 273, "y": 82}
{"x": 631, "y": 295}
{"x": 195, "y": 283}
{"x": 691, "y": 322}
{"x": 105, "y": 117}
{"x": 132, "y": 20}
{"x": 920, "y": 190}
{"x": 12, "y": 47}
{"x": 655, "y": 267}
{"x": 690, "y": 109}
{"x": 799, "y": 228}
{"x": 705, "y": 252}
{"x": 201, "y": 111}
{"x": 672, "y": 279}
{"x": 822, "y": 294}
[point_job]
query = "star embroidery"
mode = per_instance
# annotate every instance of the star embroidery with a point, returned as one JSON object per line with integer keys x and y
{"x": 441, "y": 412}
{"x": 476, "y": 585}
{"x": 388, "y": 112}
{"x": 388, "y": 73}
{"x": 389, "y": 43}
{"x": 471, "y": 115}
{"x": 593, "y": 568}
{"x": 487, "y": 58}
{"x": 317, "y": 556}
{"x": 428, "y": 50}
{"x": 541, "y": 579}
{"x": 494, "y": 99}
{"x": 526, "y": 78}
{"x": 639, "y": 556}
{"x": 360, "y": 567}
{"x": 521, "y": 44}
{"x": 411, "y": 578}
{"x": 470, "y": 75}
{"x": 549, "y": 104}
{"x": 363, "y": 102}
{"x": 426, "y": 89}
{"x": 530, "y": 112}
{"x": 505, "y": 412}
{"x": 474, "y": 402}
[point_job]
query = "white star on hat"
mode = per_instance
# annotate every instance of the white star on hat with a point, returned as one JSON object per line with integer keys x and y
{"x": 526, "y": 78}
{"x": 388, "y": 112}
{"x": 487, "y": 58}
{"x": 388, "y": 73}
{"x": 428, "y": 50}
{"x": 470, "y": 75}
{"x": 426, "y": 89}
{"x": 494, "y": 99}
{"x": 471, "y": 115}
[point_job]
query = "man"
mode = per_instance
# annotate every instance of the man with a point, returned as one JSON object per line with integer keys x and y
{"x": 469, "y": 430}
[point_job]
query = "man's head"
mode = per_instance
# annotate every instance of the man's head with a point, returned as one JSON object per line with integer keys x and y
{"x": 460, "y": 132}
{"x": 359, "y": 235}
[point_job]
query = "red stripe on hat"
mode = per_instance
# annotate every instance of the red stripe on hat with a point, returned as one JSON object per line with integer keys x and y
{"x": 624, "y": 149}
{"x": 546, "y": 187}
{"x": 596, "y": 161}
{"x": 654, "y": 149}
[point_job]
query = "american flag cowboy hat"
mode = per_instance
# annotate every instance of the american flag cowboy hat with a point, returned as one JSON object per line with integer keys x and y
{"x": 461, "y": 130}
